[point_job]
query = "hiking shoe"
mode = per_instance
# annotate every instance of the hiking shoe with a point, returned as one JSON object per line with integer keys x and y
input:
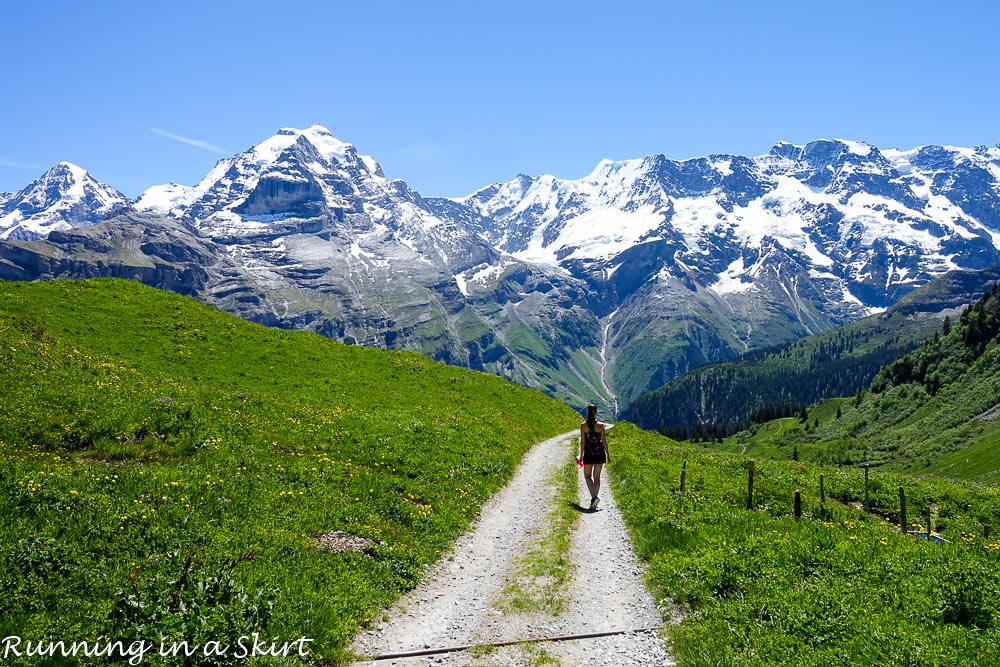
{"x": 593, "y": 502}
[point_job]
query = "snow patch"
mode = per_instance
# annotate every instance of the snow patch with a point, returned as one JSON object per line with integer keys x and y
{"x": 856, "y": 147}
{"x": 462, "y": 287}
{"x": 368, "y": 258}
{"x": 168, "y": 199}
{"x": 488, "y": 273}
{"x": 266, "y": 219}
{"x": 600, "y": 233}
{"x": 729, "y": 281}
{"x": 78, "y": 177}
{"x": 724, "y": 167}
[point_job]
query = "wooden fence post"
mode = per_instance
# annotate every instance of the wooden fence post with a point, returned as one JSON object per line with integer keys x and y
{"x": 798, "y": 505}
{"x": 750, "y": 466}
{"x": 683, "y": 474}
{"x": 868, "y": 505}
{"x": 986, "y": 531}
{"x": 902, "y": 510}
{"x": 822, "y": 490}
{"x": 929, "y": 529}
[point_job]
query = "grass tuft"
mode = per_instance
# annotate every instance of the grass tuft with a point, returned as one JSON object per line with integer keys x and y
{"x": 538, "y": 583}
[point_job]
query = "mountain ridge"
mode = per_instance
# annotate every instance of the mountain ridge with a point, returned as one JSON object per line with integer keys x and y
{"x": 593, "y": 289}
{"x": 296, "y": 235}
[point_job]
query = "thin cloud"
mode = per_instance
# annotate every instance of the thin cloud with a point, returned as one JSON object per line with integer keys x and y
{"x": 4, "y": 162}
{"x": 197, "y": 143}
{"x": 424, "y": 152}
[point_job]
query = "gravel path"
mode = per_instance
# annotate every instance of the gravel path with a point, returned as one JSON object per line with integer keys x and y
{"x": 458, "y": 603}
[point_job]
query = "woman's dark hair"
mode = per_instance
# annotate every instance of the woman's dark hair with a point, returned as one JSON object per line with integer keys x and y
{"x": 592, "y": 417}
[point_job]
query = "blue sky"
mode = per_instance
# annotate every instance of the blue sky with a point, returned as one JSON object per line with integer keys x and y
{"x": 451, "y": 96}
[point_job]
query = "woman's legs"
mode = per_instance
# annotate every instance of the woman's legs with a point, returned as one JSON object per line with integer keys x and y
{"x": 588, "y": 477}
{"x": 592, "y": 475}
{"x": 596, "y": 490}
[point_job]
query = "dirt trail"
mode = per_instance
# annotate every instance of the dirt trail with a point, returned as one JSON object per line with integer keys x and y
{"x": 458, "y": 603}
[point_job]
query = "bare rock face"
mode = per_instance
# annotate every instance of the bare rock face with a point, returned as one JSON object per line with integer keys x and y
{"x": 162, "y": 253}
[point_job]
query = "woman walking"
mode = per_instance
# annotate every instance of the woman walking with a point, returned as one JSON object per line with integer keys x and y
{"x": 594, "y": 453}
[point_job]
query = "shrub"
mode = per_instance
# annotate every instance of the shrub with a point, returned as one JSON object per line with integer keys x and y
{"x": 192, "y": 604}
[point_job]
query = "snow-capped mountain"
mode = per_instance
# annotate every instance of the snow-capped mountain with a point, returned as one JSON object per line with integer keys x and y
{"x": 872, "y": 222}
{"x": 590, "y": 289}
{"x": 762, "y": 248}
{"x": 293, "y": 167}
{"x": 299, "y": 175}
{"x": 303, "y": 231}
{"x": 64, "y": 197}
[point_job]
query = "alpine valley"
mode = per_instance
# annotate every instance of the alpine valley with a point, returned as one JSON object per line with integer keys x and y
{"x": 598, "y": 288}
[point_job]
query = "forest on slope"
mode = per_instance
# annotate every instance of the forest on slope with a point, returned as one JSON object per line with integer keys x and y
{"x": 719, "y": 399}
{"x": 934, "y": 410}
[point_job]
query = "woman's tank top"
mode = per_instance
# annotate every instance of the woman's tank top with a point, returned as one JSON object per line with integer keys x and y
{"x": 592, "y": 444}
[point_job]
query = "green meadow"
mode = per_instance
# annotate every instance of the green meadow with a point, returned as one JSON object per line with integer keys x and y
{"x": 838, "y": 586}
{"x": 171, "y": 473}
{"x": 168, "y": 471}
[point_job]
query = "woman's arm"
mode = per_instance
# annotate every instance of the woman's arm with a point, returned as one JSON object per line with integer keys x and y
{"x": 582, "y": 440}
{"x": 604, "y": 439}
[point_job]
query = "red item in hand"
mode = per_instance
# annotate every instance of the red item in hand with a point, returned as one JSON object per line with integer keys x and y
{"x": 579, "y": 462}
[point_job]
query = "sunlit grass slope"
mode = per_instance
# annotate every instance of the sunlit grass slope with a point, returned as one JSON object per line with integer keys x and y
{"x": 840, "y": 586}
{"x": 164, "y": 468}
{"x": 934, "y": 410}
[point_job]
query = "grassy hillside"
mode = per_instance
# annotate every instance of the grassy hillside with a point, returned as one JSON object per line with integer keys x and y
{"x": 931, "y": 411}
{"x": 935, "y": 401}
{"x": 833, "y": 363}
{"x": 839, "y": 586}
{"x": 169, "y": 469}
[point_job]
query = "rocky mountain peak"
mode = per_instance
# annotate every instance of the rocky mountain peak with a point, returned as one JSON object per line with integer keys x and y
{"x": 63, "y": 180}
{"x": 64, "y": 197}
{"x": 330, "y": 150}
{"x": 293, "y": 173}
